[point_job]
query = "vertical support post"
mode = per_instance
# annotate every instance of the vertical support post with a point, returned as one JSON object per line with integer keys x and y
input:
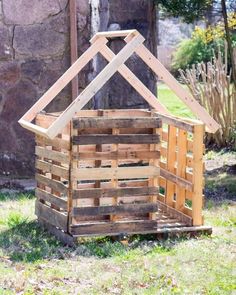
{"x": 197, "y": 198}
{"x": 98, "y": 164}
{"x": 155, "y": 180}
{"x": 114, "y": 164}
{"x": 181, "y": 168}
{"x": 171, "y": 157}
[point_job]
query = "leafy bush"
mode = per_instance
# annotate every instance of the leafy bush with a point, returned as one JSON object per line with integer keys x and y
{"x": 202, "y": 45}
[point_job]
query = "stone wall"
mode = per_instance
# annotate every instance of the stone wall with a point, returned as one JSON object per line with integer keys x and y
{"x": 35, "y": 52}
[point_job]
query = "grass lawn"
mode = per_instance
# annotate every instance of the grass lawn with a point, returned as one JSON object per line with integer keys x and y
{"x": 172, "y": 102}
{"x": 32, "y": 262}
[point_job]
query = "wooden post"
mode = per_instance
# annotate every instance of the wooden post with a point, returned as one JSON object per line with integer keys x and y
{"x": 171, "y": 157}
{"x": 197, "y": 199}
{"x": 181, "y": 168}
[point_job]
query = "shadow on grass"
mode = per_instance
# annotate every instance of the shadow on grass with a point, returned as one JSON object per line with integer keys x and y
{"x": 28, "y": 242}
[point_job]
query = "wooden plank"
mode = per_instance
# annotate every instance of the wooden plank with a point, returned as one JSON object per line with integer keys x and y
{"x": 51, "y": 215}
{"x": 112, "y": 34}
{"x": 52, "y": 155}
{"x": 94, "y": 85}
{"x": 109, "y": 228}
{"x": 52, "y": 168}
{"x": 179, "y": 123}
{"x": 181, "y": 169}
{"x": 115, "y": 155}
{"x": 138, "y": 122}
{"x": 179, "y": 181}
{"x": 184, "y": 95}
{"x": 114, "y": 165}
{"x": 56, "y": 142}
{"x": 116, "y": 139}
{"x": 50, "y": 198}
{"x": 118, "y": 173}
{"x": 119, "y": 192}
{"x": 54, "y": 184}
{"x": 171, "y": 152}
{"x": 197, "y": 199}
{"x": 119, "y": 209}
{"x": 135, "y": 82}
{"x": 172, "y": 212}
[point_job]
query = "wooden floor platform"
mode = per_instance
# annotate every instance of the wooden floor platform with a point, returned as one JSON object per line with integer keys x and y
{"x": 164, "y": 226}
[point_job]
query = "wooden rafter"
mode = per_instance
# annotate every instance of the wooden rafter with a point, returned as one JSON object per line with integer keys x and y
{"x": 116, "y": 63}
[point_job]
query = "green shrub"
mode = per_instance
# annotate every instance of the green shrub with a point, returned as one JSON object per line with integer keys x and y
{"x": 202, "y": 45}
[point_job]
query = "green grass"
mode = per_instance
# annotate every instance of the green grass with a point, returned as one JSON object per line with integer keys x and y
{"x": 172, "y": 102}
{"x": 33, "y": 262}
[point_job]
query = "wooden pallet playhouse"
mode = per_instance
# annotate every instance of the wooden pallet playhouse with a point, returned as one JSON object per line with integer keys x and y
{"x": 112, "y": 172}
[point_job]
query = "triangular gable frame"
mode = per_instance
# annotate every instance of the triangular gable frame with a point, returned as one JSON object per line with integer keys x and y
{"x": 134, "y": 42}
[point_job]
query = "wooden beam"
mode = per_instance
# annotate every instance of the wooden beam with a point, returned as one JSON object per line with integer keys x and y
{"x": 118, "y": 192}
{"x": 95, "y": 85}
{"x": 137, "y": 122}
{"x": 184, "y": 95}
{"x": 118, "y": 173}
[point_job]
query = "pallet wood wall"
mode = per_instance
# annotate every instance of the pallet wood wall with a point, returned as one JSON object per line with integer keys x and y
{"x": 104, "y": 179}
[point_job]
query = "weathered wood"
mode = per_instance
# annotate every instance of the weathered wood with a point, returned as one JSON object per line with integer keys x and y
{"x": 119, "y": 209}
{"x": 138, "y": 122}
{"x": 110, "y": 228}
{"x": 50, "y": 198}
{"x": 178, "y": 123}
{"x": 56, "y": 142}
{"x": 51, "y": 215}
{"x": 179, "y": 181}
{"x": 110, "y": 192}
{"x": 54, "y": 184}
{"x": 117, "y": 155}
{"x": 116, "y": 139}
{"x": 175, "y": 213}
{"x": 118, "y": 173}
{"x": 52, "y": 155}
{"x": 52, "y": 168}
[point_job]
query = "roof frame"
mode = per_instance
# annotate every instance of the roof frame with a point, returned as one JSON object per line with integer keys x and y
{"x": 134, "y": 43}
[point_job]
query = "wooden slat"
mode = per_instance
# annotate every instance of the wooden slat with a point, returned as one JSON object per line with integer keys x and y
{"x": 94, "y": 85}
{"x": 54, "y": 184}
{"x": 113, "y": 227}
{"x": 116, "y": 139}
{"x": 56, "y": 142}
{"x": 179, "y": 181}
{"x": 178, "y": 123}
{"x": 119, "y": 192}
{"x": 181, "y": 169}
{"x": 115, "y": 155}
{"x": 138, "y": 122}
{"x": 52, "y": 168}
{"x": 189, "y": 175}
{"x": 52, "y": 155}
{"x": 175, "y": 213}
{"x": 171, "y": 149}
{"x": 120, "y": 209}
{"x": 197, "y": 199}
{"x": 46, "y": 196}
{"x": 118, "y": 173}
{"x": 51, "y": 216}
